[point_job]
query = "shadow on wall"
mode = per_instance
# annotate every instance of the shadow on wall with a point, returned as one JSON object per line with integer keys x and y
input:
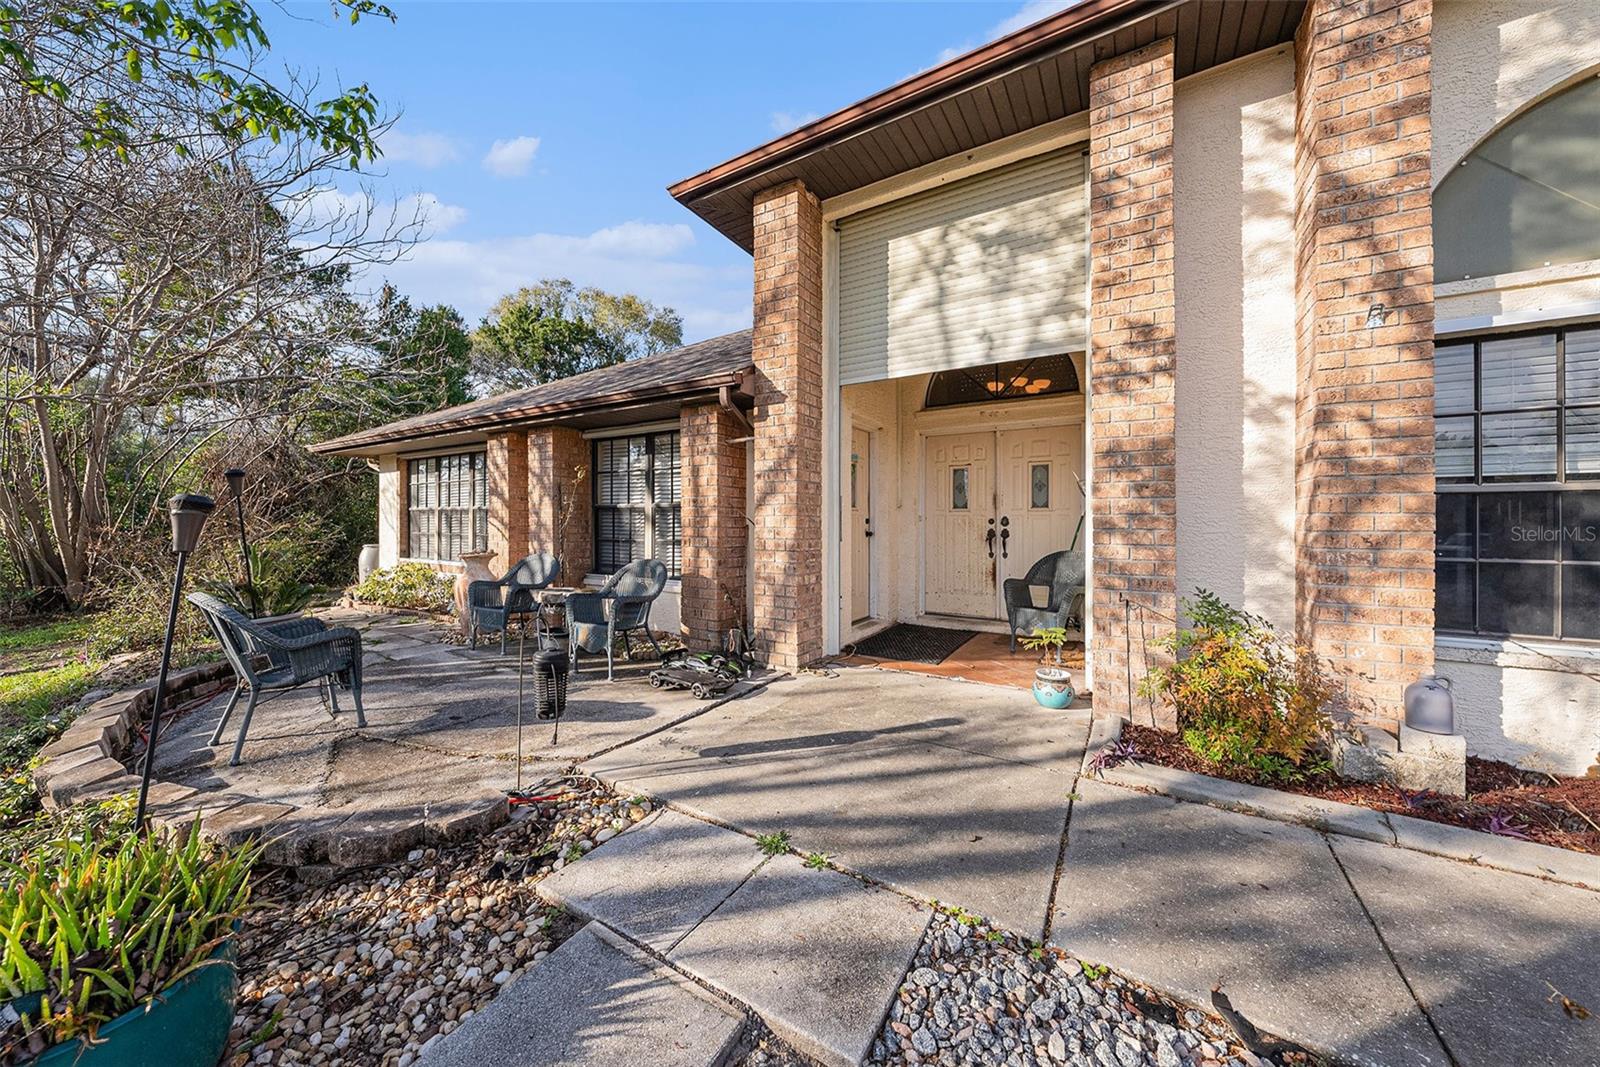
{"x": 1524, "y": 707}
{"x": 1236, "y": 363}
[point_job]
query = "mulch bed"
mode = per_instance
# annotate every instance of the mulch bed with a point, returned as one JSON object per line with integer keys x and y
{"x": 1529, "y": 805}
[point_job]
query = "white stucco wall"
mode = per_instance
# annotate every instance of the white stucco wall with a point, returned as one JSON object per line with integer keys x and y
{"x": 1536, "y": 708}
{"x": 1233, "y": 186}
{"x": 389, "y": 475}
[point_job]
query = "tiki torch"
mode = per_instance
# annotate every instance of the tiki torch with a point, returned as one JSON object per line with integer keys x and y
{"x": 235, "y": 476}
{"x": 188, "y": 519}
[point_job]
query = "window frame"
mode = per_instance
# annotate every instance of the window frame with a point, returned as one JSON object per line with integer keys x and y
{"x": 653, "y": 510}
{"x": 1556, "y": 489}
{"x": 476, "y": 514}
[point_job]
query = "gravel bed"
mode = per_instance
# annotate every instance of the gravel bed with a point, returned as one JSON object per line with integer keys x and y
{"x": 379, "y": 964}
{"x": 981, "y": 996}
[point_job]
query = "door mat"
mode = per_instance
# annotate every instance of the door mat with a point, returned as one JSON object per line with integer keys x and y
{"x": 909, "y": 643}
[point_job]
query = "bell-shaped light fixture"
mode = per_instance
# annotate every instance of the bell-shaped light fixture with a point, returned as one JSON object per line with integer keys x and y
{"x": 189, "y": 512}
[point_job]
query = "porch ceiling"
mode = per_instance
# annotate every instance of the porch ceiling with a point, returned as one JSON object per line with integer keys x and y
{"x": 1034, "y": 76}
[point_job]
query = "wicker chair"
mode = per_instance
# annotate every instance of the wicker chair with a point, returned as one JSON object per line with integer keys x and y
{"x": 492, "y": 604}
{"x": 283, "y": 654}
{"x": 1062, "y": 572}
{"x": 617, "y": 608}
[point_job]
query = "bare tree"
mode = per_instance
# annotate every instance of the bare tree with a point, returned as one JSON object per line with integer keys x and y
{"x": 185, "y": 287}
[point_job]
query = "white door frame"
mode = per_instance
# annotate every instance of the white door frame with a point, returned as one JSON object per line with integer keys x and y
{"x": 995, "y": 427}
{"x": 847, "y": 621}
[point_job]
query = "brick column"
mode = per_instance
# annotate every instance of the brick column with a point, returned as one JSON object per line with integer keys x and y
{"x": 714, "y": 536}
{"x": 561, "y": 499}
{"x": 506, "y": 465}
{"x": 1364, "y": 514}
{"x": 787, "y": 612}
{"x": 1133, "y": 347}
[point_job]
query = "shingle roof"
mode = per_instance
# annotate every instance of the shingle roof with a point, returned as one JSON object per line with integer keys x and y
{"x": 701, "y": 366}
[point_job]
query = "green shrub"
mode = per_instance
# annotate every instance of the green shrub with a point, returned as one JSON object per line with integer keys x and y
{"x": 1245, "y": 697}
{"x": 275, "y": 585}
{"x": 408, "y": 585}
{"x": 98, "y": 919}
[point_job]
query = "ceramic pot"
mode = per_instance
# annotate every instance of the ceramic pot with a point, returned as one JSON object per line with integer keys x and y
{"x": 1052, "y": 687}
{"x": 475, "y": 568}
{"x": 367, "y": 562}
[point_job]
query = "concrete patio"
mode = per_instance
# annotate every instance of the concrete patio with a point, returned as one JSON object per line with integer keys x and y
{"x": 939, "y": 790}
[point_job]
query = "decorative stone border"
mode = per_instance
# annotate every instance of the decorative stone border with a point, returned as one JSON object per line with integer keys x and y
{"x": 91, "y": 759}
{"x": 1351, "y": 820}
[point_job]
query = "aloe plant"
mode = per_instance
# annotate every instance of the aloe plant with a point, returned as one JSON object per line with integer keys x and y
{"x": 96, "y": 923}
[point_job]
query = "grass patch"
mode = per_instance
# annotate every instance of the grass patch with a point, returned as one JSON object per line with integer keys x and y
{"x": 817, "y": 860}
{"x": 44, "y": 634}
{"x": 35, "y": 707}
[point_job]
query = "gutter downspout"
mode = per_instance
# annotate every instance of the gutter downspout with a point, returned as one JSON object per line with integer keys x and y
{"x": 725, "y": 399}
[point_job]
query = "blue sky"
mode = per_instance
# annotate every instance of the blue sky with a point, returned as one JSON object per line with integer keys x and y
{"x": 541, "y": 137}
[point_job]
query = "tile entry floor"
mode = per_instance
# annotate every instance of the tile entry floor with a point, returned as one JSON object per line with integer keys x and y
{"x": 985, "y": 658}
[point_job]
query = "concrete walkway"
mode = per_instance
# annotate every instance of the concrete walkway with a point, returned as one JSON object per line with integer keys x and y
{"x": 970, "y": 795}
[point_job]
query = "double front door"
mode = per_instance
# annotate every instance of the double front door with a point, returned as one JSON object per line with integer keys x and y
{"x": 994, "y": 502}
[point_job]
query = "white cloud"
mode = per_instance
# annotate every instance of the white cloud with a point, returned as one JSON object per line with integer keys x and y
{"x": 439, "y": 217}
{"x": 1026, "y": 15}
{"x": 424, "y": 149}
{"x": 511, "y": 159}
{"x": 326, "y": 208}
{"x": 784, "y": 121}
{"x": 646, "y": 258}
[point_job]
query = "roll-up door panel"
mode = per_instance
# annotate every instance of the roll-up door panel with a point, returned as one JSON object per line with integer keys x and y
{"x": 984, "y": 270}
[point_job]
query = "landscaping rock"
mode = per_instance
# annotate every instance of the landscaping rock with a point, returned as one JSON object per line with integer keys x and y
{"x": 242, "y": 822}
{"x": 99, "y": 778}
{"x": 463, "y": 817}
{"x": 375, "y": 834}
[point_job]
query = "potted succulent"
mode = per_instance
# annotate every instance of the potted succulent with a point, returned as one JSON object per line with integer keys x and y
{"x": 1052, "y": 683}
{"x": 119, "y": 949}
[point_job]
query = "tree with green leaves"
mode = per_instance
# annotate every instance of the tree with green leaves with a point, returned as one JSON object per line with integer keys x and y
{"x": 205, "y": 49}
{"x": 555, "y": 329}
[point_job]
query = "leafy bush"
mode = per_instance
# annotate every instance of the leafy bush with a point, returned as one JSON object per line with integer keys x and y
{"x": 408, "y": 585}
{"x": 1244, "y": 696}
{"x": 99, "y": 919}
{"x": 274, "y": 584}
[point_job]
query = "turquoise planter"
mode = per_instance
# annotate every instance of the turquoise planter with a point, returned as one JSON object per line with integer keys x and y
{"x": 1052, "y": 687}
{"x": 187, "y": 1026}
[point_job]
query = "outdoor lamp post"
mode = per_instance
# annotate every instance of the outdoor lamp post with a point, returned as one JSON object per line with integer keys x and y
{"x": 235, "y": 476}
{"x": 189, "y": 513}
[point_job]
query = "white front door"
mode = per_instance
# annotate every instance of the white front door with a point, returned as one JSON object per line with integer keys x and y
{"x": 860, "y": 525}
{"x": 960, "y": 536}
{"x": 1039, "y": 500}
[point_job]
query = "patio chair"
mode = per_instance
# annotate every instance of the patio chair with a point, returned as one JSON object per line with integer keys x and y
{"x": 492, "y": 604}
{"x": 1062, "y": 573}
{"x": 282, "y": 655}
{"x": 617, "y": 608}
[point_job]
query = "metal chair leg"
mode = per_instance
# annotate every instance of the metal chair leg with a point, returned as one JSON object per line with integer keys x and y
{"x": 244, "y": 728}
{"x": 505, "y": 624}
{"x": 627, "y": 646}
{"x": 333, "y": 693}
{"x": 233, "y": 702}
{"x": 355, "y": 693}
{"x": 611, "y": 640}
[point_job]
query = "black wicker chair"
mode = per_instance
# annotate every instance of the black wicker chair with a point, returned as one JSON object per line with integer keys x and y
{"x": 491, "y": 605}
{"x": 282, "y": 654}
{"x": 619, "y": 607}
{"x": 1063, "y": 573}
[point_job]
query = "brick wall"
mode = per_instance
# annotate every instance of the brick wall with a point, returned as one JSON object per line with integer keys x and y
{"x": 506, "y": 468}
{"x": 787, "y": 613}
{"x": 560, "y": 500}
{"x": 1133, "y": 345}
{"x": 714, "y": 534}
{"x": 1364, "y": 515}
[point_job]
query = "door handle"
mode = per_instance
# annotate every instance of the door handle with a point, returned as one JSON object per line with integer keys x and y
{"x": 869, "y": 527}
{"x": 1005, "y": 537}
{"x": 989, "y": 538}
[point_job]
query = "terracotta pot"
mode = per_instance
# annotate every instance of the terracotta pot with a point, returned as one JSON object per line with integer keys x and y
{"x": 476, "y": 568}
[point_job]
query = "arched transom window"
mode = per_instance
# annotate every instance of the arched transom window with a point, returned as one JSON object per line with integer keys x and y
{"x": 1528, "y": 196}
{"x": 1015, "y": 380}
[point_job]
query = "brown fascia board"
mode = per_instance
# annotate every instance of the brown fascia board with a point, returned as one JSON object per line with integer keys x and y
{"x": 356, "y": 444}
{"x": 946, "y": 77}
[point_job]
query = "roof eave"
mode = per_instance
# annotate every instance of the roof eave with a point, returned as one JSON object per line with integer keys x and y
{"x": 365, "y": 444}
{"x": 947, "y": 77}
